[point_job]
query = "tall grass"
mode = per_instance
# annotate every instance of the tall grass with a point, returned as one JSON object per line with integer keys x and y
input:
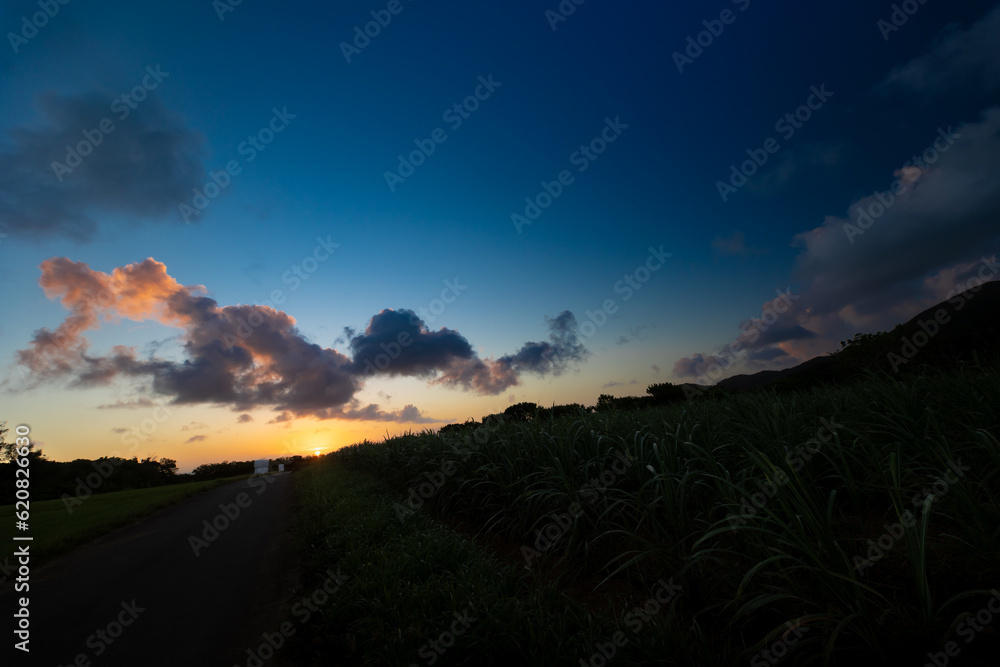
{"x": 750, "y": 564}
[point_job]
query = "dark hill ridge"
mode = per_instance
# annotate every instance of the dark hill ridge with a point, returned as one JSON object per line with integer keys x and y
{"x": 952, "y": 331}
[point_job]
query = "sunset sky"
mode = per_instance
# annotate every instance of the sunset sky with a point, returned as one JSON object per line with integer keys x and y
{"x": 231, "y": 231}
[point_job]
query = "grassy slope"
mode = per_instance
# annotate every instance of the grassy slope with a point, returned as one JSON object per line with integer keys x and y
{"x": 793, "y": 559}
{"x": 56, "y": 530}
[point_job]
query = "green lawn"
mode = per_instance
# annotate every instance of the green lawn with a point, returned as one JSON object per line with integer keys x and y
{"x": 56, "y": 529}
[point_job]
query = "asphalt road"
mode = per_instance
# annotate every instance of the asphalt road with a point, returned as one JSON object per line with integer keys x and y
{"x": 141, "y": 596}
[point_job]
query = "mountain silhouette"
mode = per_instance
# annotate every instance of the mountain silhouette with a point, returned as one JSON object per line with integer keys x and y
{"x": 962, "y": 329}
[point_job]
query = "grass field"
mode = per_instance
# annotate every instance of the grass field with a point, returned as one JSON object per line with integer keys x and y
{"x": 54, "y": 529}
{"x": 844, "y": 523}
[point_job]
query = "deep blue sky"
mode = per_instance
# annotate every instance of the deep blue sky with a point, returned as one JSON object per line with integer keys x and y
{"x": 324, "y": 176}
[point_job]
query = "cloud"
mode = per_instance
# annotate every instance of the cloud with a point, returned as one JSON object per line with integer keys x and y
{"x": 196, "y": 438}
{"x": 890, "y": 257}
{"x": 143, "y": 169}
{"x": 398, "y": 342}
{"x": 655, "y": 368}
{"x": 609, "y": 385}
{"x": 128, "y": 405}
{"x": 194, "y": 426}
{"x": 958, "y": 58}
{"x": 247, "y": 356}
{"x": 563, "y": 349}
{"x": 244, "y": 418}
{"x": 696, "y": 365}
{"x": 409, "y": 414}
{"x": 635, "y": 333}
{"x": 767, "y": 354}
{"x": 946, "y": 214}
{"x": 119, "y": 430}
{"x": 777, "y": 324}
{"x": 283, "y": 417}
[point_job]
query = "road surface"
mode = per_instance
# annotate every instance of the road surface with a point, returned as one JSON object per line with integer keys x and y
{"x": 168, "y": 590}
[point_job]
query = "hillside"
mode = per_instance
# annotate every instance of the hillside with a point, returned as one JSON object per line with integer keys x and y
{"x": 951, "y": 332}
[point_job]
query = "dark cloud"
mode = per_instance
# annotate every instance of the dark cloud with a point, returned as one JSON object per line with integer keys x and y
{"x": 696, "y": 365}
{"x": 555, "y": 356}
{"x": 609, "y": 385}
{"x": 767, "y": 354}
{"x": 194, "y": 426}
{"x": 398, "y": 342}
{"x": 904, "y": 247}
{"x": 785, "y": 329}
{"x": 144, "y": 168}
{"x": 946, "y": 215}
{"x": 409, "y": 414}
{"x": 966, "y": 58}
{"x": 244, "y": 418}
{"x": 196, "y": 438}
{"x": 249, "y": 356}
{"x": 634, "y": 333}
